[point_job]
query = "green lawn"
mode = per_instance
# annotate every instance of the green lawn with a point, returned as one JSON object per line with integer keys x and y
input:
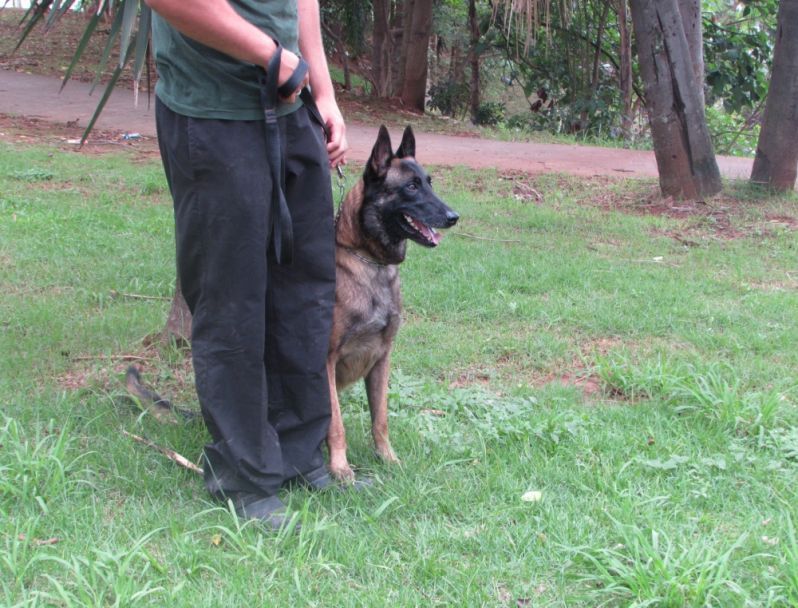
{"x": 593, "y": 406}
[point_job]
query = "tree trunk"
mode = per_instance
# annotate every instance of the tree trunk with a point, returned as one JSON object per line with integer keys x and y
{"x": 682, "y": 146}
{"x": 178, "y": 323}
{"x": 690, "y": 11}
{"x": 626, "y": 82}
{"x": 776, "y": 161}
{"x": 594, "y": 76}
{"x": 382, "y": 47}
{"x": 473, "y": 58}
{"x": 414, "y": 86}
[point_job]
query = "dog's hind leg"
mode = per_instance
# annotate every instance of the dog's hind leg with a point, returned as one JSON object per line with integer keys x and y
{"x": 377, "y": 392}
{"x": 336, "y": 435}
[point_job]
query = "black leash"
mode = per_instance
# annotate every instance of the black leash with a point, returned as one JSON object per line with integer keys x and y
{"x": 281, "y": 228}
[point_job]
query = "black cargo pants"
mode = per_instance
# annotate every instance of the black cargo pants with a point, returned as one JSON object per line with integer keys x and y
{"x": 260, "y": 330}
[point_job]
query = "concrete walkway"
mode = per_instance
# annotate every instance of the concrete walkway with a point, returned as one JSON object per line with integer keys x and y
{"x": 38, "y": 97}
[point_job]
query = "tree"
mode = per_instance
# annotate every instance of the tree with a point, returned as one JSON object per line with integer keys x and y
{"x": 776, "y": 161}
{"x": 382, "y": 48}
{"x": 415, "y": 44}
{"x": 682, "y": 146}
{"x": 625, "y": 78}
{"x": 473, "y": 59}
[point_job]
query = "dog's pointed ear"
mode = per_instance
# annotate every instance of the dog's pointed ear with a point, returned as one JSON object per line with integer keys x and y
{"x": 381, "y": 155}
{"x": 408, "y": 146}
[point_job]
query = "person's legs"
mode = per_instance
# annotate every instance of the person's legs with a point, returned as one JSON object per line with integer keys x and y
{"x": 222, "y": 191}
{"x": 301, "y": 297}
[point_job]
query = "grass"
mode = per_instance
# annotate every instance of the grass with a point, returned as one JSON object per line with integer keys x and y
{"x": 589, "y": 411}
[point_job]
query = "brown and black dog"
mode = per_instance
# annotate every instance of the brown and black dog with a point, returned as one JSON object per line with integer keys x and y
{"x": 392, "y": 203}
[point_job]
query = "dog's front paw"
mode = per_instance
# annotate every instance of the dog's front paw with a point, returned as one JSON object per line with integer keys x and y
{"x": 386, "y": 454}
{"x": 342, "y": 472}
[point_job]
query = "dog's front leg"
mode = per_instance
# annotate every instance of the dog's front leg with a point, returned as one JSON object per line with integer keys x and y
{"x": 377, "y": 392}
{"x": 336, "y": 435}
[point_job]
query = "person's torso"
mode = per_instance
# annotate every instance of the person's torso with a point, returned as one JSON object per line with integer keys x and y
{"x": 198, "y": 81}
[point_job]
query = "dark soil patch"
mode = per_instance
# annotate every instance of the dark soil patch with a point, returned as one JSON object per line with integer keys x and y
{"x": 22, "y": 129}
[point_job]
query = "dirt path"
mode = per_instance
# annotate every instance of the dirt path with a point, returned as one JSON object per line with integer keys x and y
{"x": 37, "y": 97}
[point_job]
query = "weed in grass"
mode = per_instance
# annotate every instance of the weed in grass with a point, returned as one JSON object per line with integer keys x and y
{"x": 35, "y": 471}
{"x": 715, "y": 392}
{"x": 647, "y": 568}
{"x": 464, "y": 420}
{"x": 20, "y": 559}
{"x": 787, "y": 577}
{"x": 107, "y": 577}
{"x": 649, "y": 379}
{"x": 33, "y": 174}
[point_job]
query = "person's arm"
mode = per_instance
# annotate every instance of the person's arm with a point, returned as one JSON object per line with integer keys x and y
{"x": 312, "y": 48}
{"x": 216, "y": 24}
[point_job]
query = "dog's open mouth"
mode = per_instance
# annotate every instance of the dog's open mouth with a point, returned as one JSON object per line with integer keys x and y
{"x": 426, "y": 235}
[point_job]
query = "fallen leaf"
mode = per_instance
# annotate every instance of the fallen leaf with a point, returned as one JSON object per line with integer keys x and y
{"x": 532, "y": 496}
{"x": 216, "y": 540}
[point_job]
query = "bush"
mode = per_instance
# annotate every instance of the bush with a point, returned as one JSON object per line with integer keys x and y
{"x": 450, "y": 98}
{"x": 489, "y": 113}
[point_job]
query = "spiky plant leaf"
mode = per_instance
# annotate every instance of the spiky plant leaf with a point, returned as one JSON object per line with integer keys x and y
{"x": 116, "y": 26}
{"x": 130, "y": 13}
{"x": 33, "y": 15}
{"x": 106, "y": 95}
{"x": 84, "y": 41}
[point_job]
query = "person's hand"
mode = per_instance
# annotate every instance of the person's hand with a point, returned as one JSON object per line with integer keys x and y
{"x": 337, "y": 145}
{"x": 288, "y": 63}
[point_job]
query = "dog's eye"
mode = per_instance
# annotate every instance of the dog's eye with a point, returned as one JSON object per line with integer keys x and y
{"x": 412, "y": 186}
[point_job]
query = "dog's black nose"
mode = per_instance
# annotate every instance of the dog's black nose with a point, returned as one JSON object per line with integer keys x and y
{"x": 451, "y": 218}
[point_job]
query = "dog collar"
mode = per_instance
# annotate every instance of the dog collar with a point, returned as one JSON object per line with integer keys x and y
{"x": 363, "y": 258}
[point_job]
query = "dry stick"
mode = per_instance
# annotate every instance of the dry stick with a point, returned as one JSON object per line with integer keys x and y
{"x": 484, "y": 238}
{"x": 170, "y": 454}
{"x": 137, "y": 296}
{"x": 39, "y": 542}
{"x": 112, "y": 357}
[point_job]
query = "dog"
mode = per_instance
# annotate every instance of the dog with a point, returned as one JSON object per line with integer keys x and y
{"x": 392, "y": 204}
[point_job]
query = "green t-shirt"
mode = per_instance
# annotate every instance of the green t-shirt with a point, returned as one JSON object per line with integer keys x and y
{"x": 198, "y": 81}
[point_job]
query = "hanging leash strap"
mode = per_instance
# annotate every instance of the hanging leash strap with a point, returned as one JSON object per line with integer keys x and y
{"x": 280, "y": 227}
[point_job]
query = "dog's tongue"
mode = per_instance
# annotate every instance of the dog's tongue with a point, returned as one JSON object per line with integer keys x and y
{"x": 430, "y": 234}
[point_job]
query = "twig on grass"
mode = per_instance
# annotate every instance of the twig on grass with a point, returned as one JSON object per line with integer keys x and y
{"x": 40, "y": 542}
{"x": 484, "y": 238}
{"x": 112, "y": 357}
{"x": 170, "y": 454}
{"x": 138, "y": 296}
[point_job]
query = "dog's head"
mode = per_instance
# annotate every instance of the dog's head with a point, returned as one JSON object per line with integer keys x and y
{"x": 399, "y": 202}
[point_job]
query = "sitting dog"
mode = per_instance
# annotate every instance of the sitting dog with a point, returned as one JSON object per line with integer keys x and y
{"x": 392, "y": 203}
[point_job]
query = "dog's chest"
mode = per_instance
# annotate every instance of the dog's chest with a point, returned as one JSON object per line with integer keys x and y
{"x": 368, "y": 312}
{"x": 374, "y": 314}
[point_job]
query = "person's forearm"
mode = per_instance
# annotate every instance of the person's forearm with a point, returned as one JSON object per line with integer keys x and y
{"x": 216, "y": 24}
{"x": 312, "y": 48}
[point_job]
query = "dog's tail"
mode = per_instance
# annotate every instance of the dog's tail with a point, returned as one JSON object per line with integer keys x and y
{"x": 146, "y": 398}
